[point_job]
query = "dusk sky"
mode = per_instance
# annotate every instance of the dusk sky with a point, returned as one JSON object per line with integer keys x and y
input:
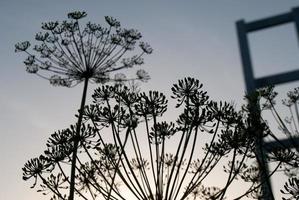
{"x": 194, "y": 38}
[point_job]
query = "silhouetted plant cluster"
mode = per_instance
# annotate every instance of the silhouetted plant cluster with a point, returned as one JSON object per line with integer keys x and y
{"x": 68, "y": 53}
{"x": 288, "y": 156}
{"x": 126, "y": 150}
{"x": 121, "y": 146}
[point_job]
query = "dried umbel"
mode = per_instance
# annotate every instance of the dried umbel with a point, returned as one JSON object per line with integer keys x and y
{"x": 66, "y": 52}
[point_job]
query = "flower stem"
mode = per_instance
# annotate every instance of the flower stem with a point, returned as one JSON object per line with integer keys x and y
{"x": 76, "y": 140}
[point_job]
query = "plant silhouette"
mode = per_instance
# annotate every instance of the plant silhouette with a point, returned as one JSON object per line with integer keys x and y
{"x": 68, "y": 53}
{"x": 122, "y": 148}
{"x": 286, "y": 153}
{"x": 128, "y": 151}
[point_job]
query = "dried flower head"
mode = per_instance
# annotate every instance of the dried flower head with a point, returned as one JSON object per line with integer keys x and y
{"x": 67, "y": 53}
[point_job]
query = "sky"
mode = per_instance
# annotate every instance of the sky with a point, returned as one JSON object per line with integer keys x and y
{"x": 194, "y": 38}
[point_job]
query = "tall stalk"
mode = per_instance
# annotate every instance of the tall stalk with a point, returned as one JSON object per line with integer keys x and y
{"x": 76, "y": 140}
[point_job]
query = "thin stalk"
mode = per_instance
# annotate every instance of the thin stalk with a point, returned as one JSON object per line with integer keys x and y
{"x": 296, "y": 111}
{"x": 76, "y": 142}
{"x": 174, "y": 164}
{"x": 180, "y": 164}
{"x": 91, "y": 193}
{"x": 203, "y": 161}
{"x": 260, "y": 184}
{"x": 176, "y": 157}
{"x": 102, "y": 175}
{"x": 66, "y": 178}
{"x": 188, "y": 135}
{"x": 150, "y": 148}
{"x": 293, "y": 119}
{"x": 189, "y": 162}
{"x": 140, "y": 160}
{"x": 240, "y": 165}
{"x": 207, "y": 153}
{"x": 162, "y": 166}
{"x": 94, "y": 184}
{"x": 157, "y": 150}
{"x": 119, "y": 143}
{"x": 124, "y": 154}
{"x": 82, "y": 45}
{"x": 279, "y": 118}
{"x": 230, "y": 174}
{"x": 54, "y": 191}
{"x": 202, "y": 176}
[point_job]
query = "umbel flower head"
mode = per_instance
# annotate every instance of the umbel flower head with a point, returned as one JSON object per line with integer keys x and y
{"x": 67, "y": 53}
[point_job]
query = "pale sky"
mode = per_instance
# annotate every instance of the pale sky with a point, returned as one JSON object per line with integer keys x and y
{"x": 190, "y": 38}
